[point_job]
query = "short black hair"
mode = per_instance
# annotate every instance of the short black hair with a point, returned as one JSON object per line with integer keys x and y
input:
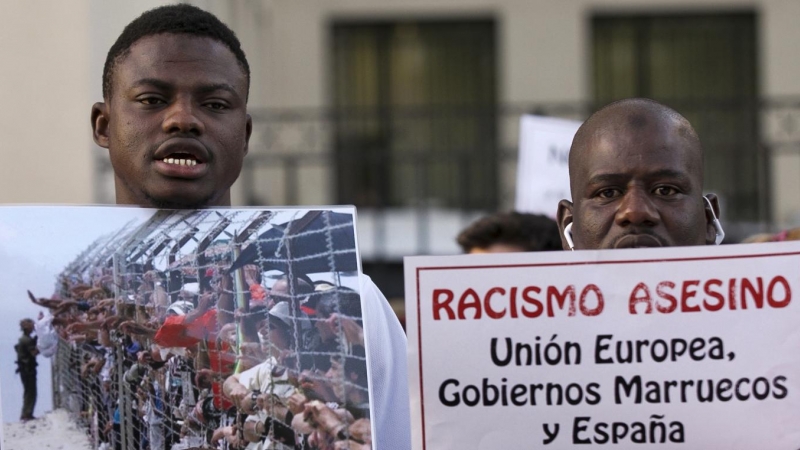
{"x": 530, "y": 232}
{"x": 633, "y": 113}
{"x": 357, "y": 366}
{"x": 342, "y": 300}
{"x": 174, "y": 19}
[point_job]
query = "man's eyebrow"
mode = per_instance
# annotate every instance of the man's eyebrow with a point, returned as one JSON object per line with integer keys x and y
{"x": 209, "y": 88}
{"x": 678, "y": 175}
{"x": 604, "y": 178}
{"x": 204, "y": 89}
{"x": 155, "y": 82}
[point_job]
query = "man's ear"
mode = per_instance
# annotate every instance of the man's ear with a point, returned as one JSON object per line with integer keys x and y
{"x": 248, "y": 130}
{"x": 100, "y": 124}
{"x": 564, "y": 218}
{"x": 711, "y": 214}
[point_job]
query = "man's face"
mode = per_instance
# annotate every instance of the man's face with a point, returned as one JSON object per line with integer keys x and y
{"x": 175, "y": 124}
{"x": 26, "y": 326}
{"x": 637, "y": 187}
{"x": 273, "y": 340}
{"x": 185, "y": 296}
{"x": 325, "y": 327}
{"x": 279, "y": 292}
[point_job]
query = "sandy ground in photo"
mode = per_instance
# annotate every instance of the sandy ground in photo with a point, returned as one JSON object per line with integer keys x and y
{"x": 54, "y": 430}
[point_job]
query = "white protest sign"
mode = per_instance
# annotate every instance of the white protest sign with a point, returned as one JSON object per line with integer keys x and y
{"x": 676, "y": 348}
{"x": 542, "y": 172}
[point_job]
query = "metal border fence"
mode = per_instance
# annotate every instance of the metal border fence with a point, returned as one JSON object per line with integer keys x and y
{"x": 144, "y": 275}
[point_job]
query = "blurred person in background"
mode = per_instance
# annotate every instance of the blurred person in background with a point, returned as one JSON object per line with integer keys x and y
{"x": 792, "y": 234}
{"x": 510, "y": 232}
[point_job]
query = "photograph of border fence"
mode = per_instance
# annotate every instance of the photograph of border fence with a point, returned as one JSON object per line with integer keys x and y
{"x": 184, "y": 329}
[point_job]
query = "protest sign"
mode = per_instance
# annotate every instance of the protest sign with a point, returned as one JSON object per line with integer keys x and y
{"x": 252, "y": 308}
{"x": 653, "y": 348}
{"x": 542, "y": 171}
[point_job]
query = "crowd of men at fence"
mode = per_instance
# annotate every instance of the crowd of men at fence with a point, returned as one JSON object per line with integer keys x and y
{"x": 188, "y": 368}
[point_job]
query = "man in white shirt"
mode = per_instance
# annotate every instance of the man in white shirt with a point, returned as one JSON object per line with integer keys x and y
{"x": 174, "y": 120}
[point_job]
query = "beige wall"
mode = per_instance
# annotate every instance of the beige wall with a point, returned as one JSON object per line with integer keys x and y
{"x": 44, "y": 86}
{"x": 781, "y": 77}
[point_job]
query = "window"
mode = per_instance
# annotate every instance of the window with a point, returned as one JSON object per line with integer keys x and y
{"x": 415, "y": 113}
{"x": 704, "y": 66}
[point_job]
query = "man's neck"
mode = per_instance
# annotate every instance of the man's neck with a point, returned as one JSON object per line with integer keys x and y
{"x": 224, "y": 202}
{"x": 126, "y": 196}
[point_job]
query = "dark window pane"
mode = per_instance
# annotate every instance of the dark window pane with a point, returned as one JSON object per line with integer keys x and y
{"x": 415, "y": 113}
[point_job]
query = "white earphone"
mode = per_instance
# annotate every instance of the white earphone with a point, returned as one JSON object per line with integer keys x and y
{"x": 720, "y": 233}
{"x": 568, "y": 236}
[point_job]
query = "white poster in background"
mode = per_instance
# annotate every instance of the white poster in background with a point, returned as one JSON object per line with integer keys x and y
{"x": 677, "y": 348}
{"x": 542, "y": 172}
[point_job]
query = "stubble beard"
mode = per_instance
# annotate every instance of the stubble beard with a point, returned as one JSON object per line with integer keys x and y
{"x": 159, "y": 203}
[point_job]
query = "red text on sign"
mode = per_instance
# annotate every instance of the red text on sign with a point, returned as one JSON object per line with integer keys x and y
{"x": 710, "y": 295}
{"x": 528, "y": 302}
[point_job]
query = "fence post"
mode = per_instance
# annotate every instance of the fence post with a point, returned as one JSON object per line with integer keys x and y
{"x": 54, "y": 377}
{"x": 121, "y": 397}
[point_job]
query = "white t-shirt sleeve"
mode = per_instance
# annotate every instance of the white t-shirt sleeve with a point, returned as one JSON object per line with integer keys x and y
{"x": 256, "y": 378}
{"x": 388, "y": 379}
